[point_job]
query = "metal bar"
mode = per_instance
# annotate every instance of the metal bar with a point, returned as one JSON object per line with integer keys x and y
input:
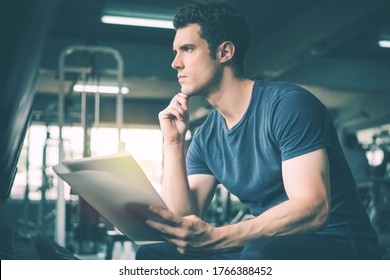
{"x": 60, "y": 205}
{"x": 60, "y": 218}
{"x": 79, "y": 70}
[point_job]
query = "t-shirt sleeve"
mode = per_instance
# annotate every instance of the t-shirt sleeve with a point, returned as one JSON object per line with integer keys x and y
{"x": 194, "y": 160}
{"x": 301, "y": 124}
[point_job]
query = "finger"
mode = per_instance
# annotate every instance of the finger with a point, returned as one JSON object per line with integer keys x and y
{"x": 183, "y": 100}
{"x": 184, "y": 247}
{"x": 184, "y": 96}
{"x": 179, "y": 244}
{"x": 177, "y": 103}
{"x": 168, "y": 231}
{"x": 178, "y": 107}
{"x": 171, "y": 113}
{"x": 176, "y": 235}
{"x": 166, "y": 214}
{"x": 180, "y": 99}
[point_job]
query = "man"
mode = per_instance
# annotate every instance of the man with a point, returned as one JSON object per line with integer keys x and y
{"x": 271, "y": 144}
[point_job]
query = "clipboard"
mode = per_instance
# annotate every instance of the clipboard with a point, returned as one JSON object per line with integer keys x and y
{"x": 118, "y": 189}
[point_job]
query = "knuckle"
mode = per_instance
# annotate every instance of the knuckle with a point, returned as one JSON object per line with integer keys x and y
{"x": 185, "y": 235}
{"x": 181, "y": 251}
{"x": 169, "y": 215}
{"x": 192, "y": 217}
{"x": 184, "y": 245}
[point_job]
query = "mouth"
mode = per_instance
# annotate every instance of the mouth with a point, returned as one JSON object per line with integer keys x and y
{"x": 179, "y": 77}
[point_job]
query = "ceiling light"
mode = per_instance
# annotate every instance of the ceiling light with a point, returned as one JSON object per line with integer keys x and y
{"x": 134, "y": 21}
{"x": 384, "y": 43}
{"x": 100, "y": 89}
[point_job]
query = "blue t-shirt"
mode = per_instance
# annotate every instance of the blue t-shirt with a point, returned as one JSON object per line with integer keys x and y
{"x": 282, "y": 121}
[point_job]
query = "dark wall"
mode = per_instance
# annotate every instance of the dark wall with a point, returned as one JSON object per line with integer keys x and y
{"x": 20, "y": 57}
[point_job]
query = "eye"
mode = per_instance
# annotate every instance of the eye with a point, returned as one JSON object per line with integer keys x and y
{"x": 188, "y": 48}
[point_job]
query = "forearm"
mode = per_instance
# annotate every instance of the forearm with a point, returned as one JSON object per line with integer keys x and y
{"x": 175, "y": 187}
{"x": 293, "y": 216}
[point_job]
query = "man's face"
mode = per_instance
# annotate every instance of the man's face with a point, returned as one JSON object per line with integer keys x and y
{"x": 197, "y": 73}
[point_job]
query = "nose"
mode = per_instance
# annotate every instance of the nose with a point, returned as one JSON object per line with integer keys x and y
{"x": 177, "y": 63}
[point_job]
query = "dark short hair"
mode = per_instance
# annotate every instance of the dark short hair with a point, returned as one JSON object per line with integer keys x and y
{"x": 219, "y": 22}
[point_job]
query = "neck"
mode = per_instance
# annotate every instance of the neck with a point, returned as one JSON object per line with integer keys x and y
{"x": 231, "y": 98}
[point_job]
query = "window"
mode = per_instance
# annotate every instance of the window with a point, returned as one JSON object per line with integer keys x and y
{"x": 40, "y": 153}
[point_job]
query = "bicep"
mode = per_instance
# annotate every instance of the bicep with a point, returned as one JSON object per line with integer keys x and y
{"x": 202, "y": 187}
{"x": 307, "y": 177}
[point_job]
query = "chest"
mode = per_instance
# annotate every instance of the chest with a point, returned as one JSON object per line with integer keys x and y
{"x": 247, "y": 162}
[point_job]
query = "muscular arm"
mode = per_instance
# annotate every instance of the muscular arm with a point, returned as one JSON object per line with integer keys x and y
{"x": 183, "y": 195}
{"x": 175, "y": 186}
{"x": 306, "y": 180}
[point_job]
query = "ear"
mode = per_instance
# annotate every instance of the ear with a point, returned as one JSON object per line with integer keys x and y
{"x": 226, "y": 51}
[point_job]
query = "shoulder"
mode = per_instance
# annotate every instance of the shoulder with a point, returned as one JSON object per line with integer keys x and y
{"x": 275, "y": 99}
{"x": 273, "y": 94}
{"x": 277, "y": 87}
{"x": 287, "y": 95}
